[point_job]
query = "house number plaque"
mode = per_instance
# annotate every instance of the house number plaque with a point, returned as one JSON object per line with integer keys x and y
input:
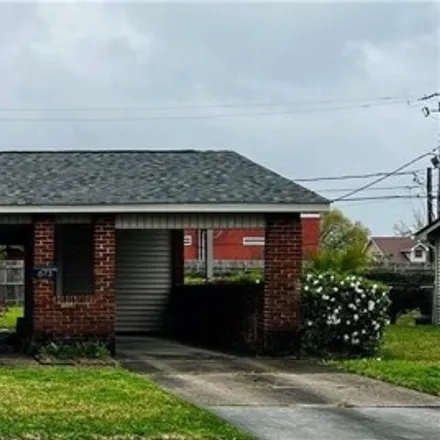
{"x": 44, "y": 273}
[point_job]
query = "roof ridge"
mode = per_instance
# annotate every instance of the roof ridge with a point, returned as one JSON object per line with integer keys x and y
{"x": 183, "y": 151}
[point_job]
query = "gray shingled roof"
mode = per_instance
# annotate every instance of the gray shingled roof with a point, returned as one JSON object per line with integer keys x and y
{"x": 142, "y": 177}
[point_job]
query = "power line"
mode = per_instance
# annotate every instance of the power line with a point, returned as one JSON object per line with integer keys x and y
{"x": 380, "y": 188}
{"x": 384, "y": 197}
{"x": 201, "y": 106}
{"x": 430, "y": 96}
{"x": 195, "y": 117}
{"x": 357, "y": 176}
{"x": 380, "y": 179}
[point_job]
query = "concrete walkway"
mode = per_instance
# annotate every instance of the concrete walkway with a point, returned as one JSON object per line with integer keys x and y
{"x": 284, "y": 399}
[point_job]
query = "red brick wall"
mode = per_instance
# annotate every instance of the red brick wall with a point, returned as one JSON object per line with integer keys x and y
{"x": 281, "y": 298}
{"x": 190, "y": 252}
{"x": 79, "y": 315}
{"x": 228, "y": 243}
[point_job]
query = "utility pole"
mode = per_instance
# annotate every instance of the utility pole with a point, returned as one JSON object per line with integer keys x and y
{"x": 427, "y": 112}
{"x": 435, "y": 160}
{"x": 438, "y": 189}
{"x": 429, "y": 199}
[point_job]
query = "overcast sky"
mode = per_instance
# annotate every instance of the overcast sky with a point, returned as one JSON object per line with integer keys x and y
{"x": 209, "y": 57}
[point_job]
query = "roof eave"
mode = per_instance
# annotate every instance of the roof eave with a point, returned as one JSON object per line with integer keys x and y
{"x": 426, "y": 232}
{"x": 206, "y": 208}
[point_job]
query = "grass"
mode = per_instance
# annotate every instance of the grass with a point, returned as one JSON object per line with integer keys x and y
{"x": 73, "y": 403}
{"x": 410, "y": 357}
{"x": 9, "y": 318}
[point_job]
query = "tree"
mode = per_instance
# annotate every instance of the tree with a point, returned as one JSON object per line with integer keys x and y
{"x": 338, "y": 232}
{"x": 402, "y": 229}
{"x": 343, "y": 245}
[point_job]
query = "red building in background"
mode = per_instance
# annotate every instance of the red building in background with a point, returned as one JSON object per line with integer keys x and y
{"x": 246, "y": 244}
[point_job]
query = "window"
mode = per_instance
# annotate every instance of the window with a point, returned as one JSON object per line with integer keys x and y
{"x": 74, "y": 259}
{"x": 253, "y": 241}
{"x": 187, "y": 240}
{"x": 418, "y": 253}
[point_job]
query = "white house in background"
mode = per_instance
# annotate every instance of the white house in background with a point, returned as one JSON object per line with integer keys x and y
{"x": 398, "y": 250}
{"x": 431, "y": 234}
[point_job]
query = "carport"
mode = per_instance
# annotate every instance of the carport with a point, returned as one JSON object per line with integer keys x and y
{"x": 106, "y": 234}
{"x": 149, "y": 263}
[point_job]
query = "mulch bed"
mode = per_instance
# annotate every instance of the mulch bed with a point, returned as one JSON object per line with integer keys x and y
{"x": 51, "y": 360}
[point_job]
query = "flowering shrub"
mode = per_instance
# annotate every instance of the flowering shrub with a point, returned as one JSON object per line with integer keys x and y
{"x": 343, "y": 313}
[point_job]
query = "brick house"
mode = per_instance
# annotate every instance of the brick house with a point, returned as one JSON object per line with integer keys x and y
{"x": 103, "y": 233}
{"x": 246, "y": 244}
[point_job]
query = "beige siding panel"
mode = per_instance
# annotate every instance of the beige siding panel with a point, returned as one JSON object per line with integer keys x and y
{"x": 143, "y": 279}
{"x": 15, "y": 219}
{"x": 73, "y": 219}
{"x": 436, "y": 299}
{"x": 189, "y": 221}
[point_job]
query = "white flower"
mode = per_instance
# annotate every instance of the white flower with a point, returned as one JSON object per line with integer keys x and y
{"x": 355, "y": 341}
{"x": 309, "y": 276}
{"x": 354, "y": 334}
{"x": 355, "y": 317}
{"x": 363, "y": 295}
{"x": 320, "y": 276}
{"x": 257, "y": 281}
{"x": 348, "y": 322}
{"x": 306, "y": 288}
{"x": 325, "y": 297}
{"x": 363, "y": 331}
{"x": 309, "y": 323}
{"x": 319, "y": 289}
{"x": 346, "y": 338}
{"x": 371, "y": 305}
{"x": 332, "y": 299}
{"x": 357, "y": 301}
{"x": 335, "y": 289}
{"x": 387, "y": 322}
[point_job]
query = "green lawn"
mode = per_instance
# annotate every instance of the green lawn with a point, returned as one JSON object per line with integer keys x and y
{"x": 78, "y": 403}
{"x": 410, "y": 357}
{"x": 8, "y": 319}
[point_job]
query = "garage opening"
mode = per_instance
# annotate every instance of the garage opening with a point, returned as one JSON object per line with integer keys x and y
{"x": 143, "y": 280}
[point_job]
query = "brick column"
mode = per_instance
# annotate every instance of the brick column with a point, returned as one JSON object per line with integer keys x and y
{"x": 104, "y": 249}
{"x": 283, "y": 268}
{"x": 178, "y": 257}
{"x": 102, "y": 314}
{"x": 82, "y": 316}
{"x": 43, "y": 255}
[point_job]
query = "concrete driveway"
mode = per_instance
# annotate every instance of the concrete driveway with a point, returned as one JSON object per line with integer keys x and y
{"x": 284, "y": 399}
